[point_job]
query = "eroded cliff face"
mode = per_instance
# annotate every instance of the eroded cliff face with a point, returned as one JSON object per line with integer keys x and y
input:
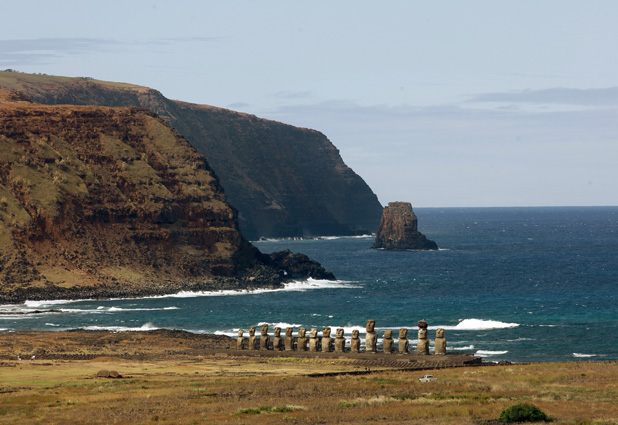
{"x": 100, "y": 202}
{"x": 284, "y": 181}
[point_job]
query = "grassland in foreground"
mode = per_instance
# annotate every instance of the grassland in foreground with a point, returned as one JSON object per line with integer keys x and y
{"x": 235, "y": 390}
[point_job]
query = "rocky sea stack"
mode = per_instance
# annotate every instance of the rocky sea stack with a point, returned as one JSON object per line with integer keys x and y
{"x": 399, "y": 229}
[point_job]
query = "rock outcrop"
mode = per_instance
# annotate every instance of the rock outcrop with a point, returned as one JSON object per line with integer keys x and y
{"x": 399, "y": 229}
{"x": 285, "y": 181}
{"x": 100, "y": 202}
{"x": 299, "y": 266}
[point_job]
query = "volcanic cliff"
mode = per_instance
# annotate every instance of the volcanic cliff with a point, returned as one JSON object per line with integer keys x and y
{"x": 285, "y": 181}
{"x": 100, "y": 202}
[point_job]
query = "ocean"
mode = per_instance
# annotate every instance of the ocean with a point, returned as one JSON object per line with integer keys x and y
{"x": 516, "y": 284}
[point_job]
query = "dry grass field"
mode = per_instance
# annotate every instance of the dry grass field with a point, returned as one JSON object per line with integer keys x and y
{"x": 276, "y": 390}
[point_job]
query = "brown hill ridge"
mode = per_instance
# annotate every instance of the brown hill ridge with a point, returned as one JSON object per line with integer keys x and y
{"x": 100, "y": 202}
{"x": 285, "y": 181}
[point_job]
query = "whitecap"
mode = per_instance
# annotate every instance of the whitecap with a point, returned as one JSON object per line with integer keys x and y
{"x": 281, "y": 325}
{"x": 487, "y": 353}
{"x": 480, "y": 324}
{"x": 295, "y": 286}
{"x": 51, "y": 324}
{"x": 114, "y": 309}
{"x": 38, "y": 304}
{"x": 584, "y": 355}
{"x": 467, "y": 347}
{"x": 145, "y": 327}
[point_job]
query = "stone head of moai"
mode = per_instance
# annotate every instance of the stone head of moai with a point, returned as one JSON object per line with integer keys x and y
{"x": 264, "y": 329}
{"x": 302, "y": 332}
{"x": 339, "y": 333}
{"x": 313, "y": 333}
{"x": 388, "y": 333}
{"x": 371, "y": 324}
{"x": 403, "y": 333}
{"x": 422, "y": 334}
{"x": 252, "y": 331}
{"x": 288, "y": 331}
{"x": 355, "y": 333}
{"x": 326, "y": 331}
{"x": 240, "y": 332}
{"x": 439, "y": 333}
{"x": 277, "y": 331}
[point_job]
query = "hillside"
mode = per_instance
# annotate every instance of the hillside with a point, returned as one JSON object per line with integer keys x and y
{"x": 100, "y": 202}
{"x": 284, "y": 181}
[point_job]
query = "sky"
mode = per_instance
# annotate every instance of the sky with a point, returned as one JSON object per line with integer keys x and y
{"x": 442, "y": 104}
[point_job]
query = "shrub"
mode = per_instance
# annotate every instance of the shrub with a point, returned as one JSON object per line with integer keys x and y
{"x": 523, "y": 413}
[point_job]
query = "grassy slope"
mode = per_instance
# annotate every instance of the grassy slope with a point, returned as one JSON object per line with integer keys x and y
{"x": 266, "y": 391}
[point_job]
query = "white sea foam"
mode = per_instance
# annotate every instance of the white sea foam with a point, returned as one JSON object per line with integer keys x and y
{"x": 38, "y": 304}
{"x": 114, "y": 309}
{"x": 467, "y": 347}
{"x": 51, "y": 324}
{"x": 580, "y": 355}
{"x": 478, "y": 325}
{"x": 281, "y": 325}
{"x": 487, "y": 353}
{"x": 145, "y": 327}
{"x": 296, "y": 286}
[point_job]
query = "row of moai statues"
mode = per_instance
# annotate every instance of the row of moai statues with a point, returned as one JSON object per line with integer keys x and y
{"x": 328, "y": 344}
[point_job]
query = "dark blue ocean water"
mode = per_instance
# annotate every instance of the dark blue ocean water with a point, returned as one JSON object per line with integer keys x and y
{"x": 518, "y": 284}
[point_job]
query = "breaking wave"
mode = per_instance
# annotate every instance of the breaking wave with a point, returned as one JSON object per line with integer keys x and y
{"x": 296, "y": 286}
{"x": 145, "y": 327}
{"x": 480, "y": 325}
{"x": 487, "y": 353}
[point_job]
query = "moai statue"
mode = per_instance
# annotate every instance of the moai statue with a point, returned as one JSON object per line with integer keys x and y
{"x": 423, "y": 342}
{"x": 355, "y": 342}
{"x": 440, "y": 342}
{"x": 301, "y": 341}
{"x": 240, "y": 341}
{"x": 371, "y": 337}
{"x": 313, "y": 340}
{"x": 403, "y": 341}
{"x": 264, "y": 338}
{"x": 277, "y": 339}
{"x": 253, "y": 340}
{"x": 388, "y": 343}
{"x": 288, "y": 342}
{"x": 339, "y": 341}
{"x": 326, "y": 340}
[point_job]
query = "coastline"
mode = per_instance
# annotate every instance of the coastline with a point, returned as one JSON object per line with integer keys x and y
{"x": 165, "y": 344}
{"x": 152, "y": 289}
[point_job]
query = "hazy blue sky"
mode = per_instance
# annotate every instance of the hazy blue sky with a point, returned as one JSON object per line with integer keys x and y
{"x": 444, "y": 103}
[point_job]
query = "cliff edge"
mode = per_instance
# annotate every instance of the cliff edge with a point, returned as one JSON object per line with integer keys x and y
{"x": 285, "y": 181}
{"x": 111, "y": 202}
{"x": 399, "y": 229}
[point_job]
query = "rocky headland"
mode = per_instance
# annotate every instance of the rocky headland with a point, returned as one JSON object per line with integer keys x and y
{"x": 285, "y": 181}
{"x": 399, "y": 229}
{"x": 100, "y": 202}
